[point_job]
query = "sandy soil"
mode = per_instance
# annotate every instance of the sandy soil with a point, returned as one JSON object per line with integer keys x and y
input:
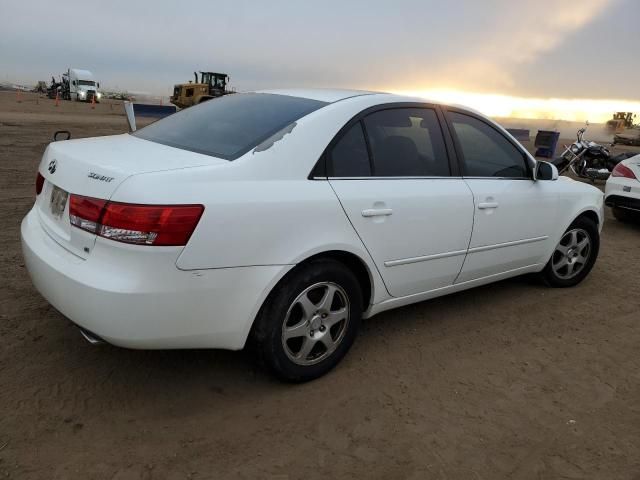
{"x": 513, "y": 380}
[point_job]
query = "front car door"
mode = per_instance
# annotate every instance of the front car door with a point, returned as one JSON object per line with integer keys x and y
{"x": 514, "y": 215}
{"x": 391, "y": 172}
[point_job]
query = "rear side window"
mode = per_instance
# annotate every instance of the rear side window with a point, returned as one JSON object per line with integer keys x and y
{"x": 487, "y": 153}
{"x": 407, "y": 142}
{"x": 349, "y": 157}
{"x": 229, "y": 126}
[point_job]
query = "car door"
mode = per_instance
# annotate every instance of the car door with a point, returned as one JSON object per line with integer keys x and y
{"x": 391, "y": 172}
{"x": 514, "y": 215}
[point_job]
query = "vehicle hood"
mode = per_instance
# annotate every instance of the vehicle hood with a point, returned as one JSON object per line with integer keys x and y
{"x": 97, "y": 166}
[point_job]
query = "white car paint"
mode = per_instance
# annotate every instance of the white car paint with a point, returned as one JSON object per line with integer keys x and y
{"x": 264, "y": 215}
{"x": 408, "y": 264}
{"x": 625, "y": 191}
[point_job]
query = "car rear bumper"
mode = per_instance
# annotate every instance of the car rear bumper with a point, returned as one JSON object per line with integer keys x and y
{"x": 622, "y": 192}
{"x": 139, "y": 299}
{"x": 623, "y": 202}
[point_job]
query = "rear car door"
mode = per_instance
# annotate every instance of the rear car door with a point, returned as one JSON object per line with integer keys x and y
{"x": 391, "y": 172}
{"x": 514, "y": 215}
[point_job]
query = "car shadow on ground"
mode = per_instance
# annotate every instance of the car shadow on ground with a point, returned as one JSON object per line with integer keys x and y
{"x": 169, "y": 374}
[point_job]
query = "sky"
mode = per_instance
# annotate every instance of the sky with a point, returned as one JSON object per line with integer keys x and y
{"x": 506, "y": 57}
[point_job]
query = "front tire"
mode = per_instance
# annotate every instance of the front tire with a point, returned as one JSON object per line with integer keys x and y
{"x": 309, "y": 321}
{"x": 574, "y": 256}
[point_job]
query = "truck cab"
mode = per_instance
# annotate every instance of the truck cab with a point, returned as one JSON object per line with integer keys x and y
{"x": 82, "y": 85}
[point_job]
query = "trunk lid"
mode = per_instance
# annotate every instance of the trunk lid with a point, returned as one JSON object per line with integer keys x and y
{"x": 96, "y": 167}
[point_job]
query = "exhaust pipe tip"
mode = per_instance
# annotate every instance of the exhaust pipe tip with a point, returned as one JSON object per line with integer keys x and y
{"x": 92, "y": 338}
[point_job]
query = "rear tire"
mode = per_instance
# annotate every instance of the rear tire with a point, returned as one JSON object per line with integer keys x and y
{"x": 309, "y": 321}
{"x": 574, "y": 256}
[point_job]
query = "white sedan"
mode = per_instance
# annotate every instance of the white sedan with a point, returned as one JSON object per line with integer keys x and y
{"x": 622, "y": 191}
{"x": 281, "y": 218}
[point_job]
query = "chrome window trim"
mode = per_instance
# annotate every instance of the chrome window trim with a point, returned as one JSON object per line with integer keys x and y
{"x": 423, "y": 178}
{"x": 390, "y": 178}
{"x": 498, "y": 178}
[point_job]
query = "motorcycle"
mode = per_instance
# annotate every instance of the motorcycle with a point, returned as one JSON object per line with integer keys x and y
{"x": 587, "y": 159}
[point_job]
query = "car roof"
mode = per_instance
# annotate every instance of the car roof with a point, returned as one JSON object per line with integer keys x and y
{"x": 331, "y": 95}
{"x": 328, "y": 95}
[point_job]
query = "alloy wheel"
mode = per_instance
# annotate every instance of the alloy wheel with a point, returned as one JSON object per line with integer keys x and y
{"x": 315, "y": 323}
{"x": 572, "y": 254}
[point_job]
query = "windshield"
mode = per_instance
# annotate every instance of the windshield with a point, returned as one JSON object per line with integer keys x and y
{"x": 87, "y": 82}
{"x": 229, "y": 126}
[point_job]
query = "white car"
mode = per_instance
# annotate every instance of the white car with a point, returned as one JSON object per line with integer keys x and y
{"x": 622, "y": 191}
{"x": 284, "y": 217}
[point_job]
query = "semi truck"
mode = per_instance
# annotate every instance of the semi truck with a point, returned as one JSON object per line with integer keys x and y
{"x": 80, "y": 85}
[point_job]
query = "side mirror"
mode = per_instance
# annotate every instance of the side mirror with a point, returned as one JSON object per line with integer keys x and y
{"x": 98, "y": 84}
{"x": 74, "y": 82}
{"x": 60, "y": 133}
{"x": 545, "y": 171}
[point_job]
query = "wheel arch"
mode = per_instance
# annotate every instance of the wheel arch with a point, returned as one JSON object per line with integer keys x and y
{"x": 349, "y": 259}
{"x": 591, "y": 214}
{"x": 589, "y": 211}
{"x": 355, "y": 263}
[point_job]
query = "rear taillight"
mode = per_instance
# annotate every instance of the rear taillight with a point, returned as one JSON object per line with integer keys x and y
{"x": 621, "y": 170}
{"x": 39, "y": 183}
{"x": 85, "y": 212}
{"x": 139, "y": 224}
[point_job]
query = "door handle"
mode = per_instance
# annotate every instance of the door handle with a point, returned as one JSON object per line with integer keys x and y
{"x": 485, "y": 205}
{"x": 377, "y": 212}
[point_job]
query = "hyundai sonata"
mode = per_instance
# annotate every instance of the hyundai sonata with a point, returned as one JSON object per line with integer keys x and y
{"x": 282, "y": 218}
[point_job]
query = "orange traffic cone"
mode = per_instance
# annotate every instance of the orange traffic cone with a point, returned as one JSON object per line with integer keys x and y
{"x": 57, "y": 98}
{"x": 93, "y": 102}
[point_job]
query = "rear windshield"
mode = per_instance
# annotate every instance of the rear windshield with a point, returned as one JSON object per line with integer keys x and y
{"x": 229, "y": 126}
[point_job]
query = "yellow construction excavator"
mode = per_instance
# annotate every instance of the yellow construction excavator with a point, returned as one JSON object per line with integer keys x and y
{"x": 211, "y": 85}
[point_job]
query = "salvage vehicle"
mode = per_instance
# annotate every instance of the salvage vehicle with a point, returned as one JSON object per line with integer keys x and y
{"x": 622, "y": 190}
{"x": 588, "y": 159}
{"x": 279, "y": 219}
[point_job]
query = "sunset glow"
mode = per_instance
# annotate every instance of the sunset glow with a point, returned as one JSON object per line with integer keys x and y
{"x": 493, "y": 105}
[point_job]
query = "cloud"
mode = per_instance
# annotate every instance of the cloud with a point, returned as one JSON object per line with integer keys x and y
{"x": 409, "y": 44}
{"x": 518, "y": 34}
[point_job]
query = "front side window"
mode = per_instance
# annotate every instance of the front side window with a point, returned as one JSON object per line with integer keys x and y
{"x": 486, "y": 152}
{"x": 229, "y": 126}
{"x": 407, "y": 142}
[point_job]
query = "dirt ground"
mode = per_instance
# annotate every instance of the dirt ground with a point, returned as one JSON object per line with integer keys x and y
{"x": 512, "y": 380}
